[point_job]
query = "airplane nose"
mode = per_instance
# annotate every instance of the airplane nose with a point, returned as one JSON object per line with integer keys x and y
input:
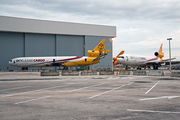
{"x": 120, "y": 59}
{"x": 11, "y": 62}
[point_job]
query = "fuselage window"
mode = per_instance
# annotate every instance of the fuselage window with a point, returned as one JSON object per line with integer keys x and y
{"x": 85, "y": 60}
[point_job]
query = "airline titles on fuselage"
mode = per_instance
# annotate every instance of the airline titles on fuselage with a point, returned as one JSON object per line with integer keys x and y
{"x": 30, "y": 60}
{"x": 138, "y": 58}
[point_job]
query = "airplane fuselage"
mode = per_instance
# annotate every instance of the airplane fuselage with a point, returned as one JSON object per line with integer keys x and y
{"x": 136, "y": 60}
{"x": 93, "y": 57}
{"x": 51, "y": 61}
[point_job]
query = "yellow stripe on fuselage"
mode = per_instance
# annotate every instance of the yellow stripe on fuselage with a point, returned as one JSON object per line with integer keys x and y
{"x": 83, "y": 62}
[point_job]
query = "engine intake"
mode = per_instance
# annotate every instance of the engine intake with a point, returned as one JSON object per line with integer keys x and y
{"x": 160, "y": 55}
{"x": 156, "y": 53}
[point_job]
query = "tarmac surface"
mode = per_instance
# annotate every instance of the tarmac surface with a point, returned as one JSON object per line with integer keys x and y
{"x": 28, "y": 96}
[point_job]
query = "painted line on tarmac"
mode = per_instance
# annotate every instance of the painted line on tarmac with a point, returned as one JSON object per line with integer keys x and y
{"x": 86, "y": 87}
{"x": 109, "y": 91}
{"x": 14, "y": 88}
{"x": 152, "y": 111}
{"x": 106, "y": 92}
{"x": 32, "y": 100}
{"x": 162, "y": 97}
{"x": 34, "y": 91}
{"x": 152, "y": 87}
{"x": 130, "y": 83}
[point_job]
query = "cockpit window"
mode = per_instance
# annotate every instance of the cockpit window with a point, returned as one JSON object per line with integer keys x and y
{"x": 10, "y": 61}
{"x": 121, "y": 57}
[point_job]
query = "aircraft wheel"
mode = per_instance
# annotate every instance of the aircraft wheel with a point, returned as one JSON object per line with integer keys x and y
{"x": 138, "y": 68}
{"x": 24, "y": 68}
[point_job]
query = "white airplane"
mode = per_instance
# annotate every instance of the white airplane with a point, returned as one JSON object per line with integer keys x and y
{"x": 139, "y": 60}
{"x": 93, "y": 57}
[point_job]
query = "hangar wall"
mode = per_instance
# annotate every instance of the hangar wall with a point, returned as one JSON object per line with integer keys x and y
{"x": 69, "y": 45}
{"x": 21, "y": 37}
{"x": 39, "y": 45}
{"x": 11, "y": 45}
{"x": 12, "y": 24}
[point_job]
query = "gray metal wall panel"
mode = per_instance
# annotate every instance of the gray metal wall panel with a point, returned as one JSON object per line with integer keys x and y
{"x": 39, "y": 45}
{"x": 11, "y": 46}
{"x": 13, "y": 24}
{"x": 69, "y": 45}
{"x": 91, "y": 42}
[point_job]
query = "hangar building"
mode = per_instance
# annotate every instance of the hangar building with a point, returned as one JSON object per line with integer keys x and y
{"x": 20, "y": 37}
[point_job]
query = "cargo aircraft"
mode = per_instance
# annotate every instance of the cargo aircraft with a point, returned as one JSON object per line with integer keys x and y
{"x": 139, "y": 60}
{"x": 93, "y": 57}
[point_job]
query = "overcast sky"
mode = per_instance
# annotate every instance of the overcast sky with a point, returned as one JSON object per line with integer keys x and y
{"x": 141, "y": 25}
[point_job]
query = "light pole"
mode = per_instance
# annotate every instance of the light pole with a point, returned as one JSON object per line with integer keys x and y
{"x": 169, "y": 53}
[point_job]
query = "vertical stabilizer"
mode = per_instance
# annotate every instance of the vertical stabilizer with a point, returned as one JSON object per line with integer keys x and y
{"x": 160, "y": 49}
{"x": 100, "y": 46}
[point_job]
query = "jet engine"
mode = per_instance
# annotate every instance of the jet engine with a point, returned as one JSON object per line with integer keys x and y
{"x": 160, "y": 55}
{"x": 96, "y": 53}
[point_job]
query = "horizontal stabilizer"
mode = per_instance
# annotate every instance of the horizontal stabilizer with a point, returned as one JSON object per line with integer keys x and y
{"x": 165, "y": 60}
{"x": 107, "y": 50}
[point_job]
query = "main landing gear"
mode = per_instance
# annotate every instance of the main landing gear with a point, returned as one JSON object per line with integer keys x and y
{"x": 155, "y": 67}
{"x": 24, "y": 68}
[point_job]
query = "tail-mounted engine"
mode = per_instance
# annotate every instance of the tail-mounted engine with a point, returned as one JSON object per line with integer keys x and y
{"x": 159, "y": 55}
{"x": 96, "y": 53}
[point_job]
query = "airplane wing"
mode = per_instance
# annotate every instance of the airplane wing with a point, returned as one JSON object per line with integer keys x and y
{"x": 161, "y": 62}
{"x": 172, "y": 62}
{"x": 165, "y": 60}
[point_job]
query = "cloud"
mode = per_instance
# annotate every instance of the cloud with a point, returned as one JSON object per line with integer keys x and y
{"x": 142, "y": 25}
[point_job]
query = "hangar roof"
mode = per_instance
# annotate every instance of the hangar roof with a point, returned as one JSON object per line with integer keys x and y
{"x": 14, "y": 24}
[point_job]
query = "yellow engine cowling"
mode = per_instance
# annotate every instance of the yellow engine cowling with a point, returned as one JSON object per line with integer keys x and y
{"x": 104, "y": 53}
{"x": 96, "y": 53}
{"x": 93, "y": 53}
{"x": 160, "y": 55}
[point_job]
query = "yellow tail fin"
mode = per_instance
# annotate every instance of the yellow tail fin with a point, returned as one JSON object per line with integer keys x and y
{"x": 160, "y": 49}
{"x": 160, "y": 53}
{"x": 100, "y": 46}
